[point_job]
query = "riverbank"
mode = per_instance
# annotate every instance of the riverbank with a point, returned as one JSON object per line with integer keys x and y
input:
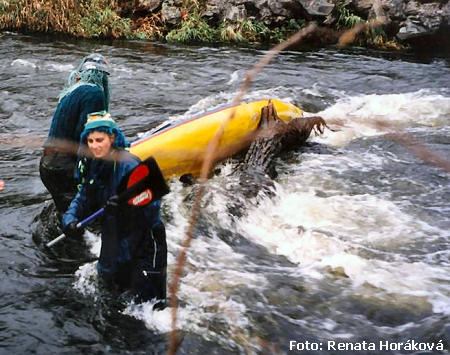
{"x": 401, "y": 23}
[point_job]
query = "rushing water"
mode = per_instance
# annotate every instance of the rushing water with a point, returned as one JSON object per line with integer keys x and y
{"x": 354, "y": 246}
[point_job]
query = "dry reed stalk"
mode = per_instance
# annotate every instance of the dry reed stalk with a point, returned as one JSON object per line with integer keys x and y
{"x": 420, "y": 150}
{"x": 211, "y": 155}
{"x": 209, "y": 159}
{"x": 414, "y": 146}
{"x": 25, "y": 140}
{"x": 407, "y": 140}
{"x": 349, "y": 36}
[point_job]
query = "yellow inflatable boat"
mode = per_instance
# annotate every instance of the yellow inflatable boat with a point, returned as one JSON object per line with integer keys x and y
{"x": 179, "y": 146}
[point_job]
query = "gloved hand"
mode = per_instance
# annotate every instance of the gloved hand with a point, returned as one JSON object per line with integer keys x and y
{"x": 112, "y": 206}
{"x": 71, "y": 230}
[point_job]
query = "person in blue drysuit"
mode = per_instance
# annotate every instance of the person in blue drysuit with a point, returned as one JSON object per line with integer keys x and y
{"x": 133, "y": 254}
{"x": 87, "y": 91}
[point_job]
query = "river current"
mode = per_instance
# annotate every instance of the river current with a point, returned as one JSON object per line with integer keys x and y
{"x": 352, "y": 249}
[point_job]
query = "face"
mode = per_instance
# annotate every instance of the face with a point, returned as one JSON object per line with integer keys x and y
{"x": 100, "y": 144}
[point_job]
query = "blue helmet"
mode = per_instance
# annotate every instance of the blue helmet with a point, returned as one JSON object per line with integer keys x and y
{"x": 94, "y": 61}
{"x": 94, "y": 69}
{"x": 103, "y": 122}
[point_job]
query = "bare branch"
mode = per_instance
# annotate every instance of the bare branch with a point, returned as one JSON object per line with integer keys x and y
{"x": 208, "y": 161}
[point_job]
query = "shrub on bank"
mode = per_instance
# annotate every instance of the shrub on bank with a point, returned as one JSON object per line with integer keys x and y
{"x": 371, "y": 37}
{"x": 101, "y": 19}
{"x": 194, "y": 29}
{"x": 244, "y": 31}
{"x": 148, "y": 28}
{"x": 83, "y": 18}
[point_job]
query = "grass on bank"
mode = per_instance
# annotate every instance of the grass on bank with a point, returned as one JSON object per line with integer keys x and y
{"x": 371, "y": 37}
{"x": 85, "y": 18}
{"x": 100, "y": 19}
{"x": 193, "y": 29}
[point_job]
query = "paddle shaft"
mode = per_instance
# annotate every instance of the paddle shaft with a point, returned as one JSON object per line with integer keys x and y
{"x": 125, "y": 195}
{"x": 136, "y": 188}
{"x": 152, "y": 177}
{"x": 81, "y": 224}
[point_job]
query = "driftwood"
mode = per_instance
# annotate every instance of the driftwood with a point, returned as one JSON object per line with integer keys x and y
{"x": 275, "y": 136}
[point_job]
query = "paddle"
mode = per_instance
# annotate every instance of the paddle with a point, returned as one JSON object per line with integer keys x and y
{"x": 141, "y": 186}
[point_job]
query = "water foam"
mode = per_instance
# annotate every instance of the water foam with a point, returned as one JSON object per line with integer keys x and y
{"x": 160, "y": 321}
{"x": 60, "y": 67}
{"x": 357, "y": 116}
{"x": 218, "y": 99}
{"x": 236, "y": 77}
{"x": 86, "y": 275}
{"x": 213, "y": 273}
{"x": 314, "y": 221}
{"x": 23, "y": 63}
{"x": 86, "y": 279}
{"x": 361, "y": 236}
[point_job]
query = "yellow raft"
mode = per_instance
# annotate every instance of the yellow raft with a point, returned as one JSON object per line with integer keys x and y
{"x": 179, "y": 146}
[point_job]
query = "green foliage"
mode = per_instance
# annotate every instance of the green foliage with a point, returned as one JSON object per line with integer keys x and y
{"x": 4, "y": 5}
{"x": 100, "y": 20}
{"x": 194, "y": 6}
{"x": 140, "y": 35}
{"x": 148, "y": 28}
{"x": 80, "y": 18}
{"x": 36, "y": 15}
{"x": 376, "y": 37}
{"x": 244, "y": 31}
{"x": 229, "y": 33}
{"x": 254, "y": 31}
{"x": 280, "y": 34}
{"x": 346, "y": 18}
{"x": 193, "y": 30}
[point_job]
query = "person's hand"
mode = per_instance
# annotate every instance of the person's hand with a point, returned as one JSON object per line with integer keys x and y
{"x": 71, "y": 230}
{"x": 112, "y": 205}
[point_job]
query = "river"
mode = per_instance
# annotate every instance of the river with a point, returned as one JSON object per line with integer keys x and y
{"x": 353, "y": 247}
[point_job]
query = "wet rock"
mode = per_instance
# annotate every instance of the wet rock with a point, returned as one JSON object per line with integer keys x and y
{"x": 362, "y": 7}
{"x": 139, "y": 7}
{"x": 395, "y": 9}
{"x": 425, "y": 24}
{"x": 410, "y": 21}
{"x": 214, "y": 10}
{"x": 317, "y": 7}
{"x": 284, "y": 8}
{"x": 377, "y": 12}
{"x": 411, "y": 28}
{"x": 171, "y": 11}
{"x": 148, "y": 5}
{"x": 236, "y": 13}
{"x": 257, "y": 169}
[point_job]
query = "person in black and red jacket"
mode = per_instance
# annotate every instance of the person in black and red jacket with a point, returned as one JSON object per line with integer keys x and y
{"x": 133, "y": 254}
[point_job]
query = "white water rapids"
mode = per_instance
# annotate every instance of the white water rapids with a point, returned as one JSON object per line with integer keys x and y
{"x": 324, "y": 224}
